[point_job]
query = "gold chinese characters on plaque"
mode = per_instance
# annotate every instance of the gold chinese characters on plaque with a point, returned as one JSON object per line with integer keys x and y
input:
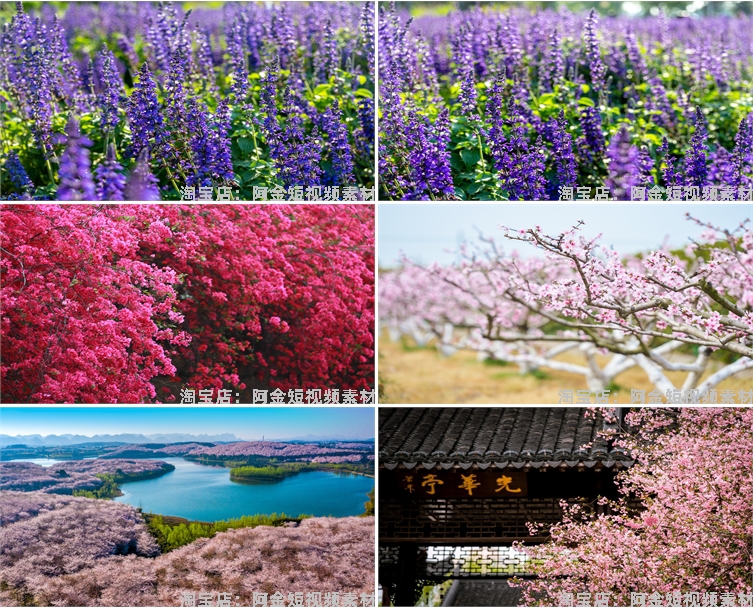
{"x": 454, "y": 483}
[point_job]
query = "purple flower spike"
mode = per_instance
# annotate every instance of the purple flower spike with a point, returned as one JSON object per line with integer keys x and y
{"x": 669, "y": 173}
{"x": 222, "y": 160}
{"x": 598, "y": 69}
{"x": 142, "y": 185}
{"x": 112, "y": 91}
{"x": 564, "y": 159}
{"x": 496, "y": 132}
{"x": 696, "y": 171}
{"x": 76, "y": 183}
{"x": 624, "y": 166}
{"x": 16, "y": 173}
{"x": 743, "y": 153}
{"x": 441, "y": 173}
{"x": 592, "y": 144}
{"x": 333, "y": 126}
{"x": 143, "y": 113}
{"x": 110, "y": 180}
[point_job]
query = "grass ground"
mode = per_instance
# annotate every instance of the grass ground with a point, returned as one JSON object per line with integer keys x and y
{"x": 411, "y": 374}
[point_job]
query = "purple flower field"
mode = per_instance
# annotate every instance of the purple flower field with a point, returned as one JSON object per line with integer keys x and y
{"x": 65, "y": 551}
{"x": 525, "y": 103}
{"x": 149, "y": 101}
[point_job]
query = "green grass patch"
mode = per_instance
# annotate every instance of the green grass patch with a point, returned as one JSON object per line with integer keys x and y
{"x": 172, "y": 536}
{"x": 491, "y": 362}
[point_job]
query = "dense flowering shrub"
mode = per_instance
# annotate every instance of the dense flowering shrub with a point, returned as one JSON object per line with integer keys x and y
{"x": 73, "y": 475}
{"x": 515, "y": 104}
{"x": 83, "y": 552}
{"x": 693, "y": 533}
{"x": 66, "y": 537}
{"x": 579, "y": 295}
{"x": 102, "y": 302}
{"x": 272, "y": 449}
{"x": 244, "y": 448}
{"x": 157, "y": 99}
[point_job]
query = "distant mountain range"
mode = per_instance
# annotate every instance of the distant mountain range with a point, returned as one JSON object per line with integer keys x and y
{"x": 68, "y": 439}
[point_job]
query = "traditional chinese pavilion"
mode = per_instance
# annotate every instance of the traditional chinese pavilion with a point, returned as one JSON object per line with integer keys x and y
{"x": 458, "y": 485}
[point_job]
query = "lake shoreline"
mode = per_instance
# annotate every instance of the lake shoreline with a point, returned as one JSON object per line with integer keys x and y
{"x": 325, "y": 492}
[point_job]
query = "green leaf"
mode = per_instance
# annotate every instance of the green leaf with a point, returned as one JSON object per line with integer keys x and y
{"x": 245, "y": 144}
{"x": 586, "y": 101}
{"x": 364, "y": 93}
{"x": 546, "y": 99}
{"x": 470, "y": 157}
{"x": 362, "y": 79}
{"x": 322, "y": 89}
{"x": 585, "y": 88}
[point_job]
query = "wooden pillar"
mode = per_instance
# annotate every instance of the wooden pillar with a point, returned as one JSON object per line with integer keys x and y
{"x": 406, "y": 580}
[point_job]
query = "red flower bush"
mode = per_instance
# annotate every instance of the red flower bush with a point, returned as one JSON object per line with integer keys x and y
{"x": 100, "y": 301}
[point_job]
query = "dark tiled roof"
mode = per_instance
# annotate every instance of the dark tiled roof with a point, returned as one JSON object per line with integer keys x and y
{"x": 521, "y": 437}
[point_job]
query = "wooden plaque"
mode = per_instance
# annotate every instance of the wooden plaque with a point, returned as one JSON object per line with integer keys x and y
{"x": 453, "y": 483}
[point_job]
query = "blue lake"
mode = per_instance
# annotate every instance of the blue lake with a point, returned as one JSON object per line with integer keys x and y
{"x": 205, "y": 493}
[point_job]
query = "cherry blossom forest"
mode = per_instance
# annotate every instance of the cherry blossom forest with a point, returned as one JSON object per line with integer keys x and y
{"x": 113, "y": 304}
{"x": 688, "y": 527}
{"x": 71, "y": 551}
{"x": 663, "y": 312}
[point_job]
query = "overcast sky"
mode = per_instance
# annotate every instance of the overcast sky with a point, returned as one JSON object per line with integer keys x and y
{"x": 245, "y": 423}
{"x": 423, "y": 232}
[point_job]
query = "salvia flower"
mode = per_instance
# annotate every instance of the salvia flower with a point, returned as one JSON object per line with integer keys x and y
{"x": 112, "y": 91}
{"x": 722, "y": 167}
{"x": 76, "y": 183}
{"x": 141, "y": 184}
{"x": 624, "y": 166}
{"x": 596, "y": 65}
{"x": 143, "y": 112}
{"x": 743, "y": 153}
{"x": 268, "y": 98}
{"x": 365, "y": 133}
{"x": 15, "y": 173}
{"x": 440, "y": 178}
{"x": 696, "y": 171}
{"x": 110, "y": 179}
{"x": 296, "y": 154}
{"x": 222, "y": 163}
{"x": 646, "y": 166}
{"x": 671, "y": 176}
{"x": 496, "y": 130}
{"x": 592, "y": 144}
{"x": 562, "y": 149}
{"x": 341, "y": 171}
{"x": 40, "y": 82}
{"x": 553, "y": 66}
{"x": 200, "y": 146}
{"x": 523, "y": 177}
{"x": 238, "y": 61}
{"x": 366, "y": 27}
